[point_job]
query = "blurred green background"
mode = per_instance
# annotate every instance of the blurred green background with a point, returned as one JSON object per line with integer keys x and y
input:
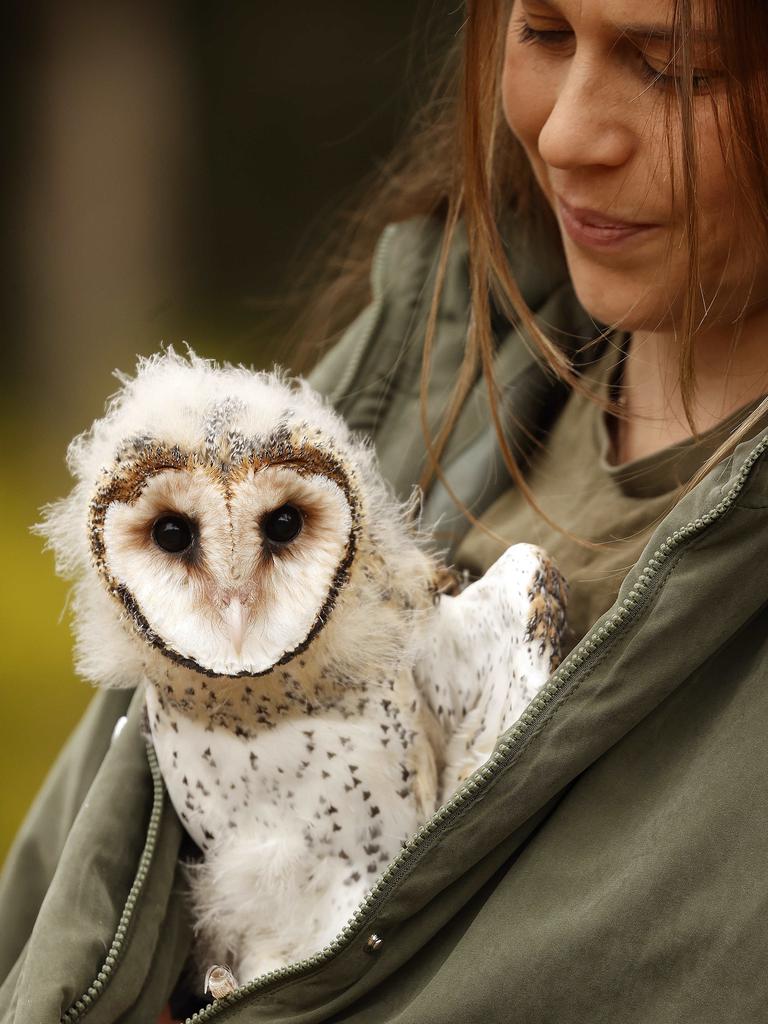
{"x": 168, "y": 168}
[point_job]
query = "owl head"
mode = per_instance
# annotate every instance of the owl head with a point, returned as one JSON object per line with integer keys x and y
{"x": 224, "y": 521}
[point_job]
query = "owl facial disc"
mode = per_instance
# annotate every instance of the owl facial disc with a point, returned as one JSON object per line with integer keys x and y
{"x": 228, "y": 570}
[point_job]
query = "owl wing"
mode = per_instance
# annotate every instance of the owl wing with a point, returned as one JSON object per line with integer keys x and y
{"x": 491, "y": 649}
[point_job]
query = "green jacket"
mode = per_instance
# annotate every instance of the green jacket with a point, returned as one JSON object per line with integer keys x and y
{"x": 609, "y": 863}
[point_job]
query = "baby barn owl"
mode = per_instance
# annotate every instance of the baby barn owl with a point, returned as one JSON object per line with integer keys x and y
{"x": 310, "y": 695}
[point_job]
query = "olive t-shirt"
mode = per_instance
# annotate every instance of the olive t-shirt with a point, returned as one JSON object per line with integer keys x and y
{"x": 574, "y": 482}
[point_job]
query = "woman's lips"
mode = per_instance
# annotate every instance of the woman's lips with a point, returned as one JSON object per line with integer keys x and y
{"x": 597, "y": 230}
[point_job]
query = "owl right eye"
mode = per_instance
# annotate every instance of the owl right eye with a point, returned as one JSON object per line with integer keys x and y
{"x": 173, "y": 534}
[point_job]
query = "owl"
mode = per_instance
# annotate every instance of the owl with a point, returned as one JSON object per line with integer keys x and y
{"x": 312, "y": 691}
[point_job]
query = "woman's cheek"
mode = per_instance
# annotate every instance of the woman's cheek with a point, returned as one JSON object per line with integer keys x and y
{"x": 527, "y": 95}
{"x": 718, "y": 187}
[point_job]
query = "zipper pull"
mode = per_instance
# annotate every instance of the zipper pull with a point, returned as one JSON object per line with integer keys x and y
{"x": 220, "y": 981}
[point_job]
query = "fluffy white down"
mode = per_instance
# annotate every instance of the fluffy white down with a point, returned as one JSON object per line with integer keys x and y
{"x": 255, "y": 906}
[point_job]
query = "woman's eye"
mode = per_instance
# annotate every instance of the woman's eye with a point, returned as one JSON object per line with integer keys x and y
{"x": 173, "y": 534}
{"x": 527, "y": 34}
{"x": 700, "y": 80}
{"x": 283, "y": 525}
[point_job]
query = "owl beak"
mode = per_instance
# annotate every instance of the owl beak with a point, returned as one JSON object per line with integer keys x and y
{"x": 236, "y": 620}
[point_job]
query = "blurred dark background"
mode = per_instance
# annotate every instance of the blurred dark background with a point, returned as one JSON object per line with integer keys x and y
{"x": 168, "y": 170}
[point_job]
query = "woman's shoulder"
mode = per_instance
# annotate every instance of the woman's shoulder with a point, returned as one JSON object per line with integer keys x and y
{"x": 372, "y": 374}
{"x": 404, "y": 261}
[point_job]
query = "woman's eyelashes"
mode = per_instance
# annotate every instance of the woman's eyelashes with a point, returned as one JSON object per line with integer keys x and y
{"x": 700, "y": 80}
{"x": 559, "y": 39}
{"x": 549, "y": 38}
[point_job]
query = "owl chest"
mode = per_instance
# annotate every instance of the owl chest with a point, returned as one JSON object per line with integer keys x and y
{"x": 339, "y": 783}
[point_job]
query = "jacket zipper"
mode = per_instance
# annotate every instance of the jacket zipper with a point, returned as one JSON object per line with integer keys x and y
{"x": 582, "y": 656}
{"x": 81, "y": 1006}
{"x": 371, "y": 313}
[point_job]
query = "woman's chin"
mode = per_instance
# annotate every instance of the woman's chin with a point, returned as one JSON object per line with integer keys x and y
{"x": 612, "y": 299}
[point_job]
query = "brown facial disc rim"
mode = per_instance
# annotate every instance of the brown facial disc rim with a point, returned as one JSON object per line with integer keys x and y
{"x": 153, "y": 458}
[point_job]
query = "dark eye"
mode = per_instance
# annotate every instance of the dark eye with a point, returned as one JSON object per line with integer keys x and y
{"x": 283, "y": 525}
{"x": 173, "y": 533}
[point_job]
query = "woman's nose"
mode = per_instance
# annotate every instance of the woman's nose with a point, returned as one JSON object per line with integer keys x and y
{"x": 589, "y": 123}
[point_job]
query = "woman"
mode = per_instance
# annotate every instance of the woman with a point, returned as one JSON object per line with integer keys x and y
{"x": 608, "y": 863}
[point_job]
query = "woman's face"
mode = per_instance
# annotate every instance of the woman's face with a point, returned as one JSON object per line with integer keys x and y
{"x": 584, "y": 90}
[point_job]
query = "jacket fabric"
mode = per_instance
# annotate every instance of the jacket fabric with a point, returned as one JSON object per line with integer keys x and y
{"x": 607, "y": 864}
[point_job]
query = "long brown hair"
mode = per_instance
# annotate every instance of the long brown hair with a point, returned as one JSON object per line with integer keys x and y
{"x": 459, "y": 162}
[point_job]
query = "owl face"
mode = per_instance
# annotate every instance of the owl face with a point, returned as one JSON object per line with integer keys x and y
{"x": 229, "y": 562}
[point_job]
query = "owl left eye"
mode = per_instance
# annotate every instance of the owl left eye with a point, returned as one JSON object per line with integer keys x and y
{"x": 173, "y": 534}
{"x": 283, "y": 525}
